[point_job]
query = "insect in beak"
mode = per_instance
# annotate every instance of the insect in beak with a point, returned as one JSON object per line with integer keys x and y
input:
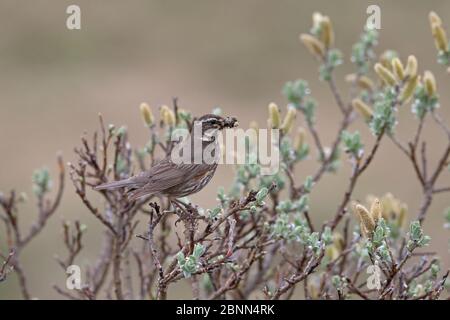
{"x": 230, "y": 122}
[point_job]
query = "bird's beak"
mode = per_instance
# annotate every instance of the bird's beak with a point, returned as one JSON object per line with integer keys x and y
{"x": 230, "y": 122}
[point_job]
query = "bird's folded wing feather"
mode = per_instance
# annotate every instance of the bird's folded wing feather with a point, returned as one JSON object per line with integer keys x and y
{"x": 166, "y": 175}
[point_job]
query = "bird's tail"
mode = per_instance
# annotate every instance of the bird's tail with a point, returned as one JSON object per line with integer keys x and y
{"x": 115, "y": 185}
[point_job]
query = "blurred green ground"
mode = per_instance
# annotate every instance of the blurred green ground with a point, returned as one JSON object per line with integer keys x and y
{"x": 234, "y": 54}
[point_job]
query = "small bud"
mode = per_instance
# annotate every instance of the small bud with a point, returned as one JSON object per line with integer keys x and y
{"x": 331, "y": 253}
{"x": 430, "y": 83}
{"x": 411, "y": 66}
{"x": 351, "y": 77}
{"x": 440, "y": 38}
{"x": 402, "y": 215}
{"x": 299, "y": 139}
{"x": 317, "y": 19}
{"x": 327, "y": 33}
{"x": 362, "y": 81}
{"x": 338, "y": 241}
{"x": 274, "y": 116}
{"x": 289, "y": 120}
{"x": 434, "y": 19}
{"x": 385, "y": 75}
{"x": 365, "y": 218}
{"x": 398, "y": 69}
{"x": 312, "y": 44}
{"x": 409, "y": 88}
{"x": 366, "y": 83}
{"x": 313, "y": 289}
{"x": 376, "y": 210}
{"x": 363, "y": 109}
{"x": 254, "y": 125}
{"x": 388, "y": 202}
{"x": 146, "y": 114}
{"x": 167, "y": 116}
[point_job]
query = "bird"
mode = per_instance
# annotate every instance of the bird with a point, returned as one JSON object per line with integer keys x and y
{"x": 173, "y": 179}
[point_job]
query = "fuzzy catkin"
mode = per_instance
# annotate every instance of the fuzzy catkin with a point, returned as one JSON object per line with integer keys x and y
{"x": 312, "y": 44}
{"x": 274, "y": 116}
{"x": 167, "y": 116}
{"x": 440, "y": 38}
{"x": 411, "y": 66}
{"x": 289, "y": 120}
{"x": 363, "y": 109}
{"x": 327, "y": 34}
{"x": 146, "y": 114}
{"x": 398, "y": 69}
{"x": 430, "y": 83}
{"x": 365, "y": 218}
{"x": 409, "y": 88}
{"x": 385, "y": 75}
{"x": 376, "y": 210}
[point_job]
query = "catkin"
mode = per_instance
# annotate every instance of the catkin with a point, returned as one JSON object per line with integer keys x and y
{"x": 409, "y": 88}
{"x": 366, "y": 83}
{"x": 362, "y": 81}
{"x": 327, "y": 32}
{"x": 167, "y": 116}
{"x": 274, "y": 116}
{"x": 411, "y": 66}
{"x": 254, "y": 125}
{"x": 398, "y": 69}
{"x": 376, "y": 210}
{"x": 299, "y": 138}
{"x": 312, "y": 44}
{"x": 385, "y": 75}
{"x": 440, "y": 38}
{"x": 331, "y": 253}
{"x": 338, "y": 241}
{"x": 430, "y": 83}
{"x": 363, "y": 109}
{"x": 289, "y": 120}
{"x": 365, "y": 218}
{"x": 146, "y": 114}
{"x": 402, "y": 215}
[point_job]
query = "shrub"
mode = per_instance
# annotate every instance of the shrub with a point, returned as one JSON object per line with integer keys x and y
{"x": 259, "y": 242}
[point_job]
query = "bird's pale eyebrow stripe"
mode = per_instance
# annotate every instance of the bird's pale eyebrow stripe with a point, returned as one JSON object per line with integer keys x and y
{"x": 210, "y": 120}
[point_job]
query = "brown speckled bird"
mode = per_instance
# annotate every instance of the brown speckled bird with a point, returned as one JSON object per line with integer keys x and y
{"x": 174, "y": 179}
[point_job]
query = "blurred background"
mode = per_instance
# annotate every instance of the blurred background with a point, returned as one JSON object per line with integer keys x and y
{"x": 229, "y": 53}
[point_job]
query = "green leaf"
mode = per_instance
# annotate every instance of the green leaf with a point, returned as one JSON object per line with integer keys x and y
{"x": 327, "y": 236}
{"x": 384, "y": 113}
{"x": 352, "y": 142}
{"x": 296, "y": 91}
{"x": 198, "y": 250}
{"x": 423, "y": 103}
{"x": 180, "y": 258}
{"x": 261, "y": 195}
{"x": 308, "y": 184}
{"x": 41, "y": 181}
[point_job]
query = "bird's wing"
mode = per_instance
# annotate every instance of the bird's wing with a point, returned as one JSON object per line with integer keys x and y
{"x": 164, "y": 175}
